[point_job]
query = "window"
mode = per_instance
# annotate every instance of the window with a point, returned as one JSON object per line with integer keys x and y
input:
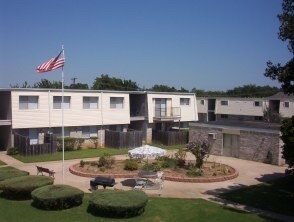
{"x": 90, "y": 102}
{"x": 286, "y": 104}
{"x": 224, "y": 116}
{"x": 224, "y": 102}
{"x": 28, "y": 102}
{"x": 57, "y": 100}
{"x": 202, "y": 101}
{"x": 89, "y": 131}
{"x": 116, "y": 102}
{"x": 259, "y": 118}
{"x": 257, "y": 103}
{"x": 184, "y": 101}
{"x": 58, "y": 131}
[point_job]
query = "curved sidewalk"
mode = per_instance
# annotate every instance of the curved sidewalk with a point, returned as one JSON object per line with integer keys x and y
{"x": 250, "y": 173}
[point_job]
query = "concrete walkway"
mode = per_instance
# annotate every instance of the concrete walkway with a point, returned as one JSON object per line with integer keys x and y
{"x": 250, "y": 173}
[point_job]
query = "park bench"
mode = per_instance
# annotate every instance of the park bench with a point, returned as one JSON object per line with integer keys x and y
{"x": 45, "y": 170}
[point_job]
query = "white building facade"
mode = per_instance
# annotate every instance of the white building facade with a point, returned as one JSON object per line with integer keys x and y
{"x": 88, "y": 113}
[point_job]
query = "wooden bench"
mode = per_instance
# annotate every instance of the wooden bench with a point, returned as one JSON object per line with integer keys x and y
{"x": 45, "y": 170}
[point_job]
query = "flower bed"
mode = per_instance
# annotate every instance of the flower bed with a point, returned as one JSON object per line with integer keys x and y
{"x": 212, "y": 172}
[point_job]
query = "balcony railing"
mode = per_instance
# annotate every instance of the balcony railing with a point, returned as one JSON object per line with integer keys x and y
{"x": 166, "y": 114}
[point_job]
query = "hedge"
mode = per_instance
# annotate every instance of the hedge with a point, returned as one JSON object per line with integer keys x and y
{"x": 21, "y": 187}
{"x": 11, "y": 172}
{"x": 57, "y": 197}
{"x": 117, "y": 203}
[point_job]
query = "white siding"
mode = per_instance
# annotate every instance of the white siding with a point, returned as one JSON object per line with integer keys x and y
{"x": 284, "y": 111}
{"x": 188, "y": 112}
{"x": 74, "y": 116}
{"x": 202, "y": 108}
{"x": 239, "y": 107}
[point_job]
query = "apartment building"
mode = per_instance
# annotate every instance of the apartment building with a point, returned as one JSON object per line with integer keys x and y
{"x": 88, "y": 113}
{"x": 243, "y": 109}
{"x": 236, "y": 127}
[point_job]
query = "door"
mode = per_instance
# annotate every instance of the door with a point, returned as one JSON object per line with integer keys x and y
{"x": 231, "y": 145}
{"x": 33, "y": 134}
{"x": 160, "y": 107}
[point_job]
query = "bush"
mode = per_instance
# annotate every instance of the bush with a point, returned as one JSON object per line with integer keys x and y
{"x": 106, "y": 161}
{"x": 10, "y": 172}
{"x": 167, "y": 162}
{"x": 118, "y": 203}
{"x": 57, "y": 197}
{"x": 180, "y": 157}
{"x": 131, "y": 164}
{"x": 12, "y": 151}
{"x": 194, "y": 172}
{"x": 21, "y": 187}
{"x": 70, "y": 143}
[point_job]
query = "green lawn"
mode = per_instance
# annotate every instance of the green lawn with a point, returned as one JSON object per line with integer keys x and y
{"x": 2, "y": 163}
{"x": 84, "y": 153}
{"x": 276, "y": 196}
{"x": 158, "y": 209}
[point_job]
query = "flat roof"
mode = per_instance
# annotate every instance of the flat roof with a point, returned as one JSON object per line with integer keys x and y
{"x": 90, "y": 90}
{"x": 235, "y": 126}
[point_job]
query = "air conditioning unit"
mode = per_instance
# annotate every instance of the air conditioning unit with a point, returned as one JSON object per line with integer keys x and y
{"x": 212, "y": 136}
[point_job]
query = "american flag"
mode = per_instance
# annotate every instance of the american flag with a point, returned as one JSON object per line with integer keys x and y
{"x": 52, "y": 64}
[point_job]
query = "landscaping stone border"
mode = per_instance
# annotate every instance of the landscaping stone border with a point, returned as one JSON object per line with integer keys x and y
{"x": 169, "y": 178}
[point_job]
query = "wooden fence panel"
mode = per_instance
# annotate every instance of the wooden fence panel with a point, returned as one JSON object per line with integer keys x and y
{"x": 123, "y": 139}
{"x": 170, "y": 137}
{"x": 26, "y": 149}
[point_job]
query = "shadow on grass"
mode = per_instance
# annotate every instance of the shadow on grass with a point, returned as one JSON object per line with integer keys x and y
{"x": 225, "y": 189}
{"x": 270, "y": 177}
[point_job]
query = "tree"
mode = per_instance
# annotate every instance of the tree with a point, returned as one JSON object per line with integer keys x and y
{"x": 200, "y": 149}
{"x": 163, "y": 88}
{"x": 24, "y": 85}
{"x": 77, "y": 86}
{"x": 104, "y": 82}
{"x": 47, "y": 84}
{"x": 287, "y": 130}
{"x": 284, "y": 73}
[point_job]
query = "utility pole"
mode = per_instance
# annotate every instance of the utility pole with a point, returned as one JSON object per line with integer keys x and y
{"x": 74, "y": 80}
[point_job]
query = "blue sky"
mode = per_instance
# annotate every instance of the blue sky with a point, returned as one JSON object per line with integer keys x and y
{"x": 206, "y": 44}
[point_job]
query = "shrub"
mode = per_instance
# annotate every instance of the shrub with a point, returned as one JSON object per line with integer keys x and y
{"x": 194, "y": 172}
{"x": 21, "y": 187}
{"x": 200, "y": 149}
{"x": 147, "y": 166}
{"x": 70, "y": 143}
{"x": 167, "y": 162}
{"x": 106, "y": 161}
{"x": 82, "y": 163}
{"x": 12, "y": 151}
{"x": 131, "y": 164}
{"x": 118, "y": 203}
{"x": 57, "y": 197}
{"x": 180, "y": 157}
{"x": 10, "y": 172}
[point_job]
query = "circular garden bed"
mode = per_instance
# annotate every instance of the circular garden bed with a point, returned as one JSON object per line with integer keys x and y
{"x": 210, "y": 172}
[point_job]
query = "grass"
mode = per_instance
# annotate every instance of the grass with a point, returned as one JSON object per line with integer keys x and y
{"x": 80, "y": 154}
{"x": 2, "y": 163}
{"x": 11, "y": 172}
{"x": 276, "y": 196}
{"x": 157, "y": 209}
{"x": 68, "y": 155}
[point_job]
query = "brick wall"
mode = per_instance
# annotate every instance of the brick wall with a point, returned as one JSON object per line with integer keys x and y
{"x": 259, "y": 146}
{"x": 255, "y": 144}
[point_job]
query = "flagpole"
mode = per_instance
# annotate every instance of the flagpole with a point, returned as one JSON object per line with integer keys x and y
{"x": 62, "y": 123}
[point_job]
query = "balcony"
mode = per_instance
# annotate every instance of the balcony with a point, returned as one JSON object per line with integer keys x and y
{"x": 167, "y": 114}
{"x": 6, "y": 122}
